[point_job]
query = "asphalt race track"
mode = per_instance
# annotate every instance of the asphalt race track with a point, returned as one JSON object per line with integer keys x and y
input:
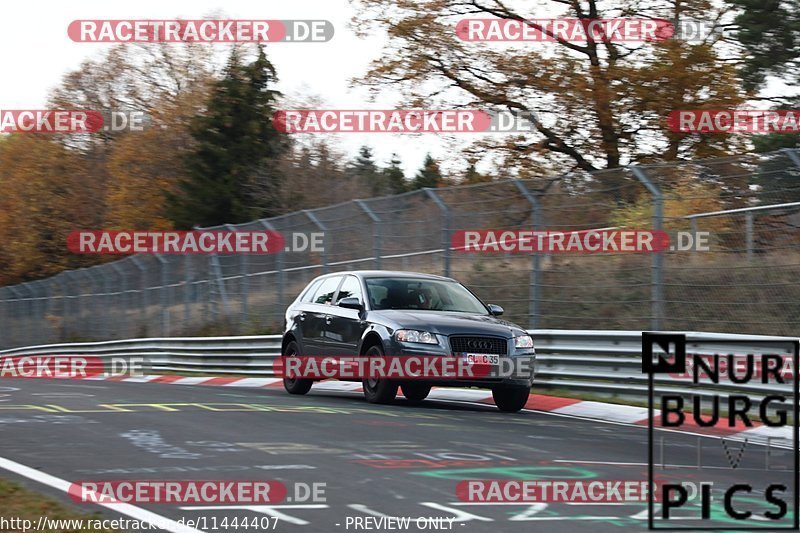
{"x": 399, "y": 460}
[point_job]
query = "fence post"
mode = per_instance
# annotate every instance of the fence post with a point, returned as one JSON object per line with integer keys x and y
{"x": 74, "y": 315}
{"x": 93, "y": 313}
{"x": 279, "y": 263}
{"x": 164, "y": 299}
{"x": 44, "y": 305}
{"x": 313, "y": 218}
{"x": 748, "y": 223}
{"x": 243, "y": 283}
{"x": 188, "y": 290}
{"x": 143, "y": 300}
{"x": 216, "y": 273}
{"x": 29, "y": 311}
{"x": 657, "y": 276}
{"x": 445, "y": 227}
{"x": 51, "y": 305}
{"x": 13, "y": 331}
{"x": 535, "y": 280}
{"x": 107, "y": 319}
{"x": 376, "y": 231}
{"x": 123, "y": 291}
{"x": 792, "y": 153}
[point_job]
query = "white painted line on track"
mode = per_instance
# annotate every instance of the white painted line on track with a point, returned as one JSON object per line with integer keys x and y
{"x": 252, "y": 382}
{"x": 63, "y": 485}
{"x": 193, "y": 380}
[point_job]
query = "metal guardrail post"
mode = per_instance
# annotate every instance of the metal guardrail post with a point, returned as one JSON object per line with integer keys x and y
{"x": 279, "y": 260}
{"x": 243, "y": 283}
{"x": 376, "y": 231}
{"x": 535, "y": 281}
{"x": 313, "y": 218}
{"x": 657, "y": 277}
{"x": 446, "y": 244}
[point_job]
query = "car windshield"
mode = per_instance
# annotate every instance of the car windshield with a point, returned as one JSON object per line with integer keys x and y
{"x": 424, "y": 294}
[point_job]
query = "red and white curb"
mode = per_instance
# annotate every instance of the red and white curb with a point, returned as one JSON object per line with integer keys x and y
{"x": 601, "y": 411}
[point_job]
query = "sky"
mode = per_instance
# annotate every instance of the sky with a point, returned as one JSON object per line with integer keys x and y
{"x": 32, "y": 68}
{"x": 33, "y": 62}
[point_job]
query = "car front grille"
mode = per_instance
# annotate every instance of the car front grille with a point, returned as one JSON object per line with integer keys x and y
{"x": 482, "y": 345}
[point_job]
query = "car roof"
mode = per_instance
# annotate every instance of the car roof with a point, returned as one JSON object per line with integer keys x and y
{"x": 388, "y": 274}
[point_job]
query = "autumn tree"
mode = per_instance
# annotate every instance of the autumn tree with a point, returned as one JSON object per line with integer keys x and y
{"x": 45, "y": 197}
{"x": 593, "y": 105}
{"x": 169, "y": 83}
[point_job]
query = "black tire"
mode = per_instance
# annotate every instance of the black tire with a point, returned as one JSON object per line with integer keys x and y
{"x": 511, "y": 399}
{"x": 378, "y": 390}
{"x": 415, "y": 392}
{"x": 295, "y": 385}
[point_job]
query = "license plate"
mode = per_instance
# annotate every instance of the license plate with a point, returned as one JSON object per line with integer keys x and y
{"x": 482, "y": 359}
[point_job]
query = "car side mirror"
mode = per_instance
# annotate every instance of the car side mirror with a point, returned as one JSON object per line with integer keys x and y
{"x": 351, "y": 303}
{"x": 495, "y": 310}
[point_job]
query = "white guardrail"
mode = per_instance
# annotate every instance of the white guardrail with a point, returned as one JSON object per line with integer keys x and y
{"x": 593, "y": 362}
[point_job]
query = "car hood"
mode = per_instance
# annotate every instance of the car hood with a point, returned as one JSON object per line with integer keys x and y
{"x": 445, "y": 323}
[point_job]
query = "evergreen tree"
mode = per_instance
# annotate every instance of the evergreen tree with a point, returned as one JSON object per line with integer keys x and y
{"x": 394, "y": 176}
{"x": 364, "y": 169}
{"x": 769, "y": 30}
{"x": 473, "y": 176}
{"x": 231, "y": 172}
{"x": 429, "y": 175}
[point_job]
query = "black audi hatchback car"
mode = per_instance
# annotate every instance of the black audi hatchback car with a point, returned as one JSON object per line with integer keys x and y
{"x": 382, "y": 313}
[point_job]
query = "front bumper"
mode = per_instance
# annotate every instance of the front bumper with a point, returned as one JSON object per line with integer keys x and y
{"x": 516, "y": 369}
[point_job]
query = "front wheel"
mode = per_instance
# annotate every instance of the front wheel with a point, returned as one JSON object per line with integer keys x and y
{"x": 295, "y": 385}
{"x": 511, "y": 399}
{"x": 415, "y": 392}
{"x": 379, "y": 390}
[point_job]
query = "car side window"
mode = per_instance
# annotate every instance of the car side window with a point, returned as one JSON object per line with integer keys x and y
{"x": 308, "y": 295}
{"x": 326, "y": 290}
{"x": 351, "y": 288}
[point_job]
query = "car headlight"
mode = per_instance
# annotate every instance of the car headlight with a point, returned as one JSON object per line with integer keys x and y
{"x": 412, "y": 335}
{"x": 523, "y": 341}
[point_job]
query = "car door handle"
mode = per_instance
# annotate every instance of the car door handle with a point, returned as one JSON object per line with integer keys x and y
{"x": 302, "y": 316}
{"x": 328, "y": 319}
